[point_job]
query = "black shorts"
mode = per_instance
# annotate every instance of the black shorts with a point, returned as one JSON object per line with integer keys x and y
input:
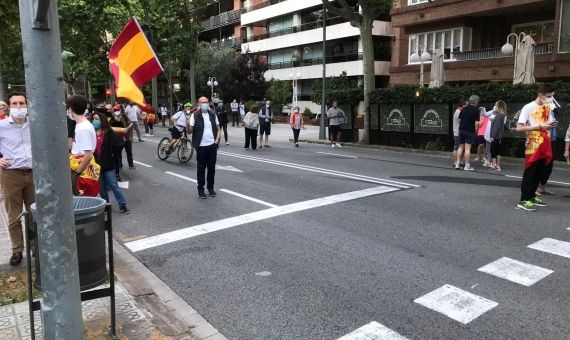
{"x": 467, "y": 137}
{"x": 481, "y": 140}
{"x": 175, "y": 133}
{"x": 497, "y": 148}
{"x": 334, "y": 129}
{"x": 265, "y": 128}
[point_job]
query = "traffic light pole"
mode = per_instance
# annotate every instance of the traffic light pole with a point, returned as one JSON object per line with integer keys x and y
{"x": 61, "y": 307}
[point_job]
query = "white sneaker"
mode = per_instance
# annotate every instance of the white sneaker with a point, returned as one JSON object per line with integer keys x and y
{"x": 468, "y": 167}
{"x": 486, "y": 163}
{"x": 338, "y": 145}
{"x": 456, "y": 165}
{"x": 227, "y": 143}
{"x": 333, "y": 145}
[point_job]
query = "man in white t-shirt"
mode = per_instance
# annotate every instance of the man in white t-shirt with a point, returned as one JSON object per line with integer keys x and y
{"x": 85, "y": 139}
{"x": 180, "y": 121}
{"x": 567, "y": 145}
{"x": 536, "y": 120}
{"x": 133, "y": 112}
{"x": 456, "y": 122}
{"x": 206, "y": 133}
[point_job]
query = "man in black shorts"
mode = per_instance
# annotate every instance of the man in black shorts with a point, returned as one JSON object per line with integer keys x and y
{"x": 335, "y": 116}
{"x": 468, "y": 125}
{"x": 265, "y": 118}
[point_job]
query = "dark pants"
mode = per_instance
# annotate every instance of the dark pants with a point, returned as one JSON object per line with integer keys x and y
{"x": 235, "y": 119}
{"x": 225, "y": 129}
{"x": 129, "y": 151}
{"x": 250, "y": 136}
{"x": 296, "y": 135}
{"x": 548, "y": 171}
{"x": 531, "y": 178}
{"x": 146, "y": 127}
{"x": 118, "y": 161}
{"x": 206, "y": 158}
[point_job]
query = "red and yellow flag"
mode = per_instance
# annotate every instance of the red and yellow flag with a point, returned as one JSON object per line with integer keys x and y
{"x": 133, "y": 62}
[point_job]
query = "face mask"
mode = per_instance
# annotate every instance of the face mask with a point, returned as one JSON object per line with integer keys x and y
{"x": 96, "y": 124}
{"x": 116, "y": 113}
{"x": 205, "y": 106}
{"x": 296, "y": 111}
{"x": 548, "y": 100}
{"x": 18, "y": 113}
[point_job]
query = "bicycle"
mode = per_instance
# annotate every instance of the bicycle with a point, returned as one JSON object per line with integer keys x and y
{"x": 183, "y": 147}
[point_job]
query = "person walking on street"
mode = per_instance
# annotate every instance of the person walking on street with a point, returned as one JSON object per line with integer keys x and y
{"x": 468, "y": 125}
{"x": 536, "y": 120}
{"x": 297, "y": 124}
{"x": 456, "y": 122}
{"x": 482, "y": 147}
{"x": 149, "y": 118}
{"x": 265, "y": 119}
{"x": 16, "y": 163}
{"x": 496, "y": 134}
{"x": 251, "y": 124}
{"x": 163, "y": 114}
{"x": 336, "y": 117}
{"x": 567, "y": 145}
{"x": 242, "y": 110}
{"x": 223, "y": 119}
{"x": 108, "y": 147}
{"x": 206, "y": 132}
{"x": 122, "y": 125}
{"x": 133, "y": 112}
{"x": 542, "y": 190}
{"x": 235, "y": 112}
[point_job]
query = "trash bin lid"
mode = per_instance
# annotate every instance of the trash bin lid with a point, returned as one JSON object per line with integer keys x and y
{"x": 82, "y": 205}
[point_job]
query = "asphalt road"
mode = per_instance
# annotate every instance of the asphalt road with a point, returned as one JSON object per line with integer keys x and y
{"x": 329, "y": 240}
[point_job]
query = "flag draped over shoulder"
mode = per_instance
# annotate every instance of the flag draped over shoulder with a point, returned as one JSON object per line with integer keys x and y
{"x": 538, "y": 143}
{"x": 133, "y": 62}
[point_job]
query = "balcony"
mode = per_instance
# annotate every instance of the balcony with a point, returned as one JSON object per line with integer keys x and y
{"x": 228, "y": 43}
{"x": 220, "y": 20}
{"x": 317, "y": 61}
{"x": 262, "y": 4}
{"x": 495, "y": 53}
{"x": 295, "y": 29}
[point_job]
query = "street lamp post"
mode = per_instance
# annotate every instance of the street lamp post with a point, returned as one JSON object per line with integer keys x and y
{"x": 211, "y": 83}
{"x": 295, "y": 77}
{"x": 508, "y": 49}
{"x": 421, "y": 57}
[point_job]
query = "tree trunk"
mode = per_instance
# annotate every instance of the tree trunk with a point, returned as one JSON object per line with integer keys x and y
{"x": 369, "y": 73}
{"x": 192, "y": 76}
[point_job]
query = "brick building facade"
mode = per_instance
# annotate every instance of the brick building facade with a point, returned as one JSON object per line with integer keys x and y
{"x": 471, "y": 34}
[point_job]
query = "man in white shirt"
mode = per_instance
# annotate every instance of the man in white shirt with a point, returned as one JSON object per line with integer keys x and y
{"x": 235, "y": 113}
{"x": 180, "y": 122}
{"x": 85, "y": 139}
{"x": 133, "y": 112}
{"x": 567, "y": 145}
{"x": 206, "y": 133}
{"x": 16, "y": 163}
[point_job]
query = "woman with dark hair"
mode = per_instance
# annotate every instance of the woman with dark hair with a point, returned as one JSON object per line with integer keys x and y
{"x": 108, "y": 146}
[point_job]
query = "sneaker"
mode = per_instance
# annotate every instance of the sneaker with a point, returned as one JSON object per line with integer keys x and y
{"x": 477, "y": 159}
{"x": 338, "y": 145}
{"x": 140, "y": 140}
{"x": 486, "y": 163}
{"x": 227, "y": 143}
{"x": 246, "y": 149}
{"x": 457, "y": 166}
{"x": 151, "y": 135}
{"x": 468, "y": 168}
{"x": 333, "y": 145}
{"x": 526, "y": 205}
{"x": 202, "y": 194}
{"x": 539, "y": 202}
{"x": 124, "y": 210}
{"x": 211, "y": 193}
{"x": 296, "y": 145}
{"x": 132, "y": 167}
{"x": 16, "y": 259}
{"x": 260, "y": 146}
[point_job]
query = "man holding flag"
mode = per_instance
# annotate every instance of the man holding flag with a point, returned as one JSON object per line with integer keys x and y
{"x": 536, "y": 120}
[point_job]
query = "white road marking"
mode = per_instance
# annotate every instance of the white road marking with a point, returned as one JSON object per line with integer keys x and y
{"x": 373, "y": 331}
{"x": 511, "y": 176}
{"x": 549, "y": 181}
{"x": 552, "y": 246}
{"x": 335, "y": 154}
{"x": 325, "y": 171}
{"x": 228, "y": 168}
{"x": 567, "y": 228}
{"x": 182, "y": 234}
{"x": 151, "y": 140}
{"x": 124, "y": 185}
{"x": 249, "y": 198}
{"x": 264, "y": 273}
{"x": 456, "y": 303}
{"x": 143, "y": 164}
{"x": 183, "y": 177}
{"x": 516, "y": 271}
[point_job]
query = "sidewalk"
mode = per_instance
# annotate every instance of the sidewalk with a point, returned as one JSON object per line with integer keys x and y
{"x": 146, "y": 308}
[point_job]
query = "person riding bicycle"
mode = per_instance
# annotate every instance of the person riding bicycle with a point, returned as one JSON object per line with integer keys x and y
{"x": 180, "y": 121}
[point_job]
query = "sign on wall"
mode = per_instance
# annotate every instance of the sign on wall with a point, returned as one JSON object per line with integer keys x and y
{"x": 431, "y": 118}
{"x": 395, "y": 118}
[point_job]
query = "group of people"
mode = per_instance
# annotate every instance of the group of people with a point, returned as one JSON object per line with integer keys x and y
{"x": 473, "y": 125}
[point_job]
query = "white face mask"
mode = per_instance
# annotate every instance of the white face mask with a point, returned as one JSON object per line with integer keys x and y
{"x": 18, "y": 113}
{"x": 548, "y": 100}
{"x": 117, "y": 113}
{"x": 296, "y": 111}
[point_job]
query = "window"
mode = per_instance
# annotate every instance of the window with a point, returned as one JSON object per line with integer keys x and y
{"x": 279, "y": 25}
{"x": 449, "y": 41}
{"x": 542, "y": 32}
{"x": 417, "y": 2}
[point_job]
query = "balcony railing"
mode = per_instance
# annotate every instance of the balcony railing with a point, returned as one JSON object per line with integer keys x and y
{"x": 222, "y": 19}
{"x": 295, "y": 29}
{"x": 495, "y": 53}
{"x": 316, "y": 61}
{"x": 228, "y": 43}
{"x": 262, "y": 5}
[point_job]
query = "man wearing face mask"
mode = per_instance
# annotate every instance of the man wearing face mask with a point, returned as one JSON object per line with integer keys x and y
{"x": 16, "y": 163}
{"x": 265, "y": 118}
{"x": 206, "y": 134}
{"x": 122, "y": 126}
{"x": 535, "y": 120}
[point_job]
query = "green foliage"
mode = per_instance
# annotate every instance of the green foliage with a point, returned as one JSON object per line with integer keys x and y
{"x": 489, "y": 93}
{"x": 307, "y": 113}
{"x": 278, "y": 92}
{"x": 11, "y": 59}
{"x": 341, "y": 88}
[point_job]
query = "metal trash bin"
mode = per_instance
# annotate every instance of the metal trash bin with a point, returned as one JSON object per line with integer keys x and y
{"x": 89, "y": 215}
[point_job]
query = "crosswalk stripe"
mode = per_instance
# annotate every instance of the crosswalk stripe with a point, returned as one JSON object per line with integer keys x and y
{"x": 373, "y": 331}
{"x": 552, "y": 246}
{"x": 456, "y": 303}
{"x": 516, "y": 271}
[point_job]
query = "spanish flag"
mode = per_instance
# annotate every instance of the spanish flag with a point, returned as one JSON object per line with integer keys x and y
{"x": 133, "y": 62}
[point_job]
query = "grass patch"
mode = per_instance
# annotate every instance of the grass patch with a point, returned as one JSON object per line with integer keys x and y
{"x": 14, "y": 287}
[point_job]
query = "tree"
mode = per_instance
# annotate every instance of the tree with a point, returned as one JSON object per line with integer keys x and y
{"x": 278, "y": 92}
{"x": 363, "y": 19}
{"x": 341, "y": 88}
{"x": 247, "y": 78}
{"x": 11, "y": 57}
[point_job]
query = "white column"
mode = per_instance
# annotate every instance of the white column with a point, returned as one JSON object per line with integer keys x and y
{"x": 297, "y": 19}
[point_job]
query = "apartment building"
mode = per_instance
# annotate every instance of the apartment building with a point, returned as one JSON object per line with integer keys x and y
{"x": 290, "y": 34}
{"x": 471, "y": 33}
{"x": 221, "y": 23}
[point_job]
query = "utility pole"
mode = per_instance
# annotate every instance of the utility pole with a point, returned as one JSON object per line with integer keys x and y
{"x": 322, "y": 132}
{"x": 61, "y": 306}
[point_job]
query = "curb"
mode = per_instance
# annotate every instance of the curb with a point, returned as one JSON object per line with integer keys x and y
{"x": 558, "y": 165}
{"x": 138, "y": 280}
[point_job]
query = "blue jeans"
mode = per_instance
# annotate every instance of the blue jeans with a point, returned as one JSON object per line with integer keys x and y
{"x": 109, "y": 179}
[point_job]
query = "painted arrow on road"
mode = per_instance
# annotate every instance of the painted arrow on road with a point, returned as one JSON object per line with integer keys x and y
{"x": 228, "y": 168}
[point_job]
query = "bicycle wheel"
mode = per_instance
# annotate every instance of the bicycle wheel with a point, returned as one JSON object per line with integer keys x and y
{"x": 162, "y": 154}
{"x": 185, "y": 151}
